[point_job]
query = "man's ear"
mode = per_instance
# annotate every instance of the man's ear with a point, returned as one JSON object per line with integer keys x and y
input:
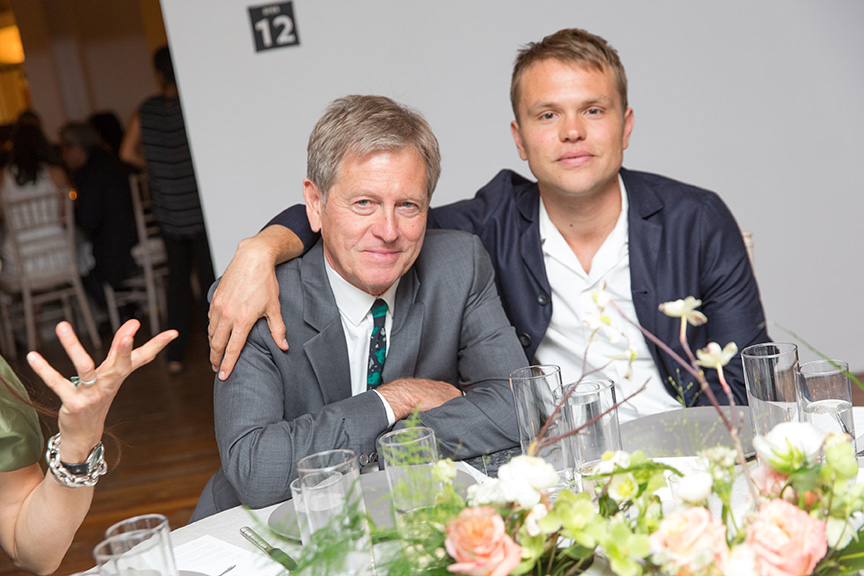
{"x": 517, "y": 138}
{"x": 314, "y": 204}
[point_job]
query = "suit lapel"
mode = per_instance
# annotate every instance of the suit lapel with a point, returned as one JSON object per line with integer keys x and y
{"x": 645, "y": 223}
{"x": 404, "y": 341}
{"x": 530, "y": 247}
{"x": 327, "y": 351}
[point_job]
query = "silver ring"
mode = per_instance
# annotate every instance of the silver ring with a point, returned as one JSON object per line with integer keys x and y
{"x": 77, "y": 381}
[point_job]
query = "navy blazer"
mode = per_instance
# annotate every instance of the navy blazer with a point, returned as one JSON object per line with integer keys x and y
{"x": 683, "y": 241}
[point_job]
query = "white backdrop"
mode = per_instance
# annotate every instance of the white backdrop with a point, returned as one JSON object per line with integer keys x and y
{"x": 758, "y": 101}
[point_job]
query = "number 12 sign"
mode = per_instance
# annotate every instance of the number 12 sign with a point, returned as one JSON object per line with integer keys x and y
{"x": 273, "y": 26}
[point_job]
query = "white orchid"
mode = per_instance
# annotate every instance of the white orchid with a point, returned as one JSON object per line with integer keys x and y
{"x": 685, "y": 309}
{"x": 712, "y": 356}
{"x": 524, "y": 478}
{"x": 790, "y": 445}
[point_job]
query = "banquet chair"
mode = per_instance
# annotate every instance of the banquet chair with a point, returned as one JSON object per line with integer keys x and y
{"x": 41, "y": 231}
{"x": 148, "y": 285}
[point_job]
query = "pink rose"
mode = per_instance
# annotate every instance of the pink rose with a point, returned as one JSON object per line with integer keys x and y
{"x": 477, "y": 541}
{"x": 786, "y": 540}
{"x": 690, "y": 542}
{"x": 769, "y": 481}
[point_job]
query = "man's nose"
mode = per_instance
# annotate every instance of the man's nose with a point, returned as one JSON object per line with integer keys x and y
{"x": 572, "y": 128}
{"x": 386, "y": 226}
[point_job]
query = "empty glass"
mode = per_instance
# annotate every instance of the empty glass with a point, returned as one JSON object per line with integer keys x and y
{"x": 536, "y": 391}
{"x": 772, "y": 392}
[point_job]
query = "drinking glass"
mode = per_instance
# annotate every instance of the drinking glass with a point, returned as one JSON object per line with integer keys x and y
{"x": 409, "y": 456}
{"x": 156, "y": 525}
{"x": 769, "y": 374}
{"x": 536, "y": 391}
{"x": 139, "y": 552}
{"x": 591, "y": 407}
{"x": 301, "y": 517}
{"x": 333, "y": 498}
{"x": 825, "y": 396}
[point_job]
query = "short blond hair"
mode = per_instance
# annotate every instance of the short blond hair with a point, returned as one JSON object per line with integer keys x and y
{"x": 574, "y": 46}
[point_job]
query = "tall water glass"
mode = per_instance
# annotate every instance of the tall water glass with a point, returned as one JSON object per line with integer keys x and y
{"x": 591, "y": 407}
{"x": 825, "y": 396}
{"x": 772, "y": 392}
{"x": 333, "y": 498}
{"x": 409, "y": 456}
{"x": 536, "y": 390}
{"x": 139, "y": 552}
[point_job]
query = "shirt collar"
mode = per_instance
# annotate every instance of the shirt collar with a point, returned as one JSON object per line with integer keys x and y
{"x": 354, "y": 303}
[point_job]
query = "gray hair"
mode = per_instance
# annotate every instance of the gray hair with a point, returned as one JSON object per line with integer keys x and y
{"x": 359, "y": 125}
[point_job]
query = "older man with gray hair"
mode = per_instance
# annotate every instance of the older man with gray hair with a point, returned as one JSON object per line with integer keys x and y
{"x": 386, "y": 319}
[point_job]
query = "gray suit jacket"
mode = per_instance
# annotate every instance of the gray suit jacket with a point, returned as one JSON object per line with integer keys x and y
{"x": 277, "y": 407}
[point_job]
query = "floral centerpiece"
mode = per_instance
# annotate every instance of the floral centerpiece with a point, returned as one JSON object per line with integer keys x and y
{"x": 800, "y": 513}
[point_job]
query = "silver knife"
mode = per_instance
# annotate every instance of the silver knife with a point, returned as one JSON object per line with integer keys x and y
{"x": 276, "y": 554}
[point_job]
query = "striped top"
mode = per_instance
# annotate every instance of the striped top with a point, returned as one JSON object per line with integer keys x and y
{"x": 173, "y": 189}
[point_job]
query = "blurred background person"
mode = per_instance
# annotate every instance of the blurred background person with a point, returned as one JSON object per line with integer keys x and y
{"x": 156, "y": 140}
{"x": 39, "y": 512}
{"x": 103, "y": 207}
{"x": 30, "y": 171}
{"x": 109, "y": 128}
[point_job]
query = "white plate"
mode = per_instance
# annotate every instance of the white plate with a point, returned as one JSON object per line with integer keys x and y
{"x": 684, "y": 432}
{"x": 376, "y": 491}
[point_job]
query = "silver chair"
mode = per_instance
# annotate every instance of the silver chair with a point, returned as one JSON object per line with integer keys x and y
{"x": 41, "y": 231}
{"x": 148, "y": 286}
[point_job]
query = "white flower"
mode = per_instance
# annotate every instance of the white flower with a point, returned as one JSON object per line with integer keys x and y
{"x": 600, "y": 296}
{"x": 838, "y": 532}
{"x": 790, "y": 445}
{"x": 444, "y": 471}
{"x": 524, "y": 478}
{"x": 685, "y": 309}
{"x": 712, "y": 356}
{"x": 533, "y": 518}
{"x": 602, "y": 323}
{"x": 741, "y": 562}
{"x": 486, "y": 492}
{"x": 623, "y": 487}
{"x": 695, "y": 487}
{"x": 610, "y": 460}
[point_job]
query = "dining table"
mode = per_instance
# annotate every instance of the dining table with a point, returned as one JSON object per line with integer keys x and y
{"x": 212, "y": 545}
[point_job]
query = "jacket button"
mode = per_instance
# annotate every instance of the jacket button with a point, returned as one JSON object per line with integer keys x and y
{"x": 364, "y": 459}
{"x": 525, "y": 339}
{"x": 542, "y": 299}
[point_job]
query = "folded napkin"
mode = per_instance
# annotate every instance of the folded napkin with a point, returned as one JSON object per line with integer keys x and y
{"x": 210, "y": 556}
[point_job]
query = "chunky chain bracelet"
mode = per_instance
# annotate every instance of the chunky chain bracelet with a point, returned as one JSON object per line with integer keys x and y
{"x": 86, "y": 474}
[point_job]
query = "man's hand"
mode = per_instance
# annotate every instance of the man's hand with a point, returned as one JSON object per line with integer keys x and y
{"x": 247, "y": 291}
{"x": 407, "y": 394}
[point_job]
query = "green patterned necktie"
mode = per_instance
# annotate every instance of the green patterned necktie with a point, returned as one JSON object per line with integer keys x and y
{"x": 377, "y": 344}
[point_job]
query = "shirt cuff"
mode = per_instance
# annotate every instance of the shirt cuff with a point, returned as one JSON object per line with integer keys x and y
{"x": 391, "y": 417}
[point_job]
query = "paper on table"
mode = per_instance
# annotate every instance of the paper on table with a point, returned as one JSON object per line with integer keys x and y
{"x": 212, "y": 556}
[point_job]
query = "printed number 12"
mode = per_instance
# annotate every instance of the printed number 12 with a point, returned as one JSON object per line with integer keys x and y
{"x": 286, "y": 36}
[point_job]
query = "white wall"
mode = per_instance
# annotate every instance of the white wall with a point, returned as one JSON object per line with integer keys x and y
{"x": 759, "y": 101}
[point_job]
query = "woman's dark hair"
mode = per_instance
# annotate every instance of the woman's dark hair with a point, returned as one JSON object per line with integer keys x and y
{"x": 30, "y": 150}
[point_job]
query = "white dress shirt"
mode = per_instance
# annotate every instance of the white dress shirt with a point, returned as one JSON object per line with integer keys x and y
{"x": 566, "y": 339}
{"x": 355, "y": 309}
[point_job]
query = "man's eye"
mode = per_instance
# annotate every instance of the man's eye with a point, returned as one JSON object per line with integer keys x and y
{"x": 594, "y": 111}
{"x": 547, "y": 116}
{"x": 362, "y": 203}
